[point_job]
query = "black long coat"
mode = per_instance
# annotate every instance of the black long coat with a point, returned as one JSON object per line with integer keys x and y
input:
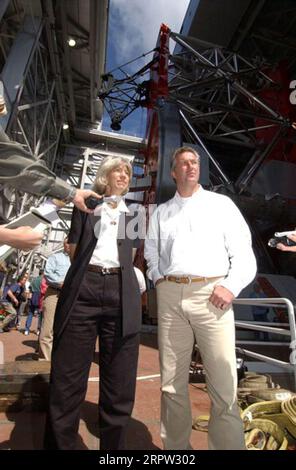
{"x": 82, "y": 234}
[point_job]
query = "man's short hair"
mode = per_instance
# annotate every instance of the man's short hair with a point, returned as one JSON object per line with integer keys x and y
{"x": 181, "y": 150}
{"x": 21, "y": 277}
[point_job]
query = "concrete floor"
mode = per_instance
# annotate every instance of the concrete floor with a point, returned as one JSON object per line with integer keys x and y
{"x": 24, "y": 429}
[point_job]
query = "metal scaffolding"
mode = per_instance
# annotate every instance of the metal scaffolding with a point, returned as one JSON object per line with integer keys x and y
{"x": 228, "y": 107}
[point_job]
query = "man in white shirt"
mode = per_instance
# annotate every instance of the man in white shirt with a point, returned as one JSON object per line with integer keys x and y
{"x": 199, "y": 255}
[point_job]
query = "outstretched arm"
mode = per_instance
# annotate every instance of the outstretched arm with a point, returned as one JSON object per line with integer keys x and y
{"x": 21, "y": 170}
{"x": 24, "y": 238}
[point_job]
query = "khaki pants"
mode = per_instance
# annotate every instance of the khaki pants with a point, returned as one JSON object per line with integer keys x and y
{"x": 10, "y": 314}
{"x": 46, "y": 333}
{"x": 185, "y": 315}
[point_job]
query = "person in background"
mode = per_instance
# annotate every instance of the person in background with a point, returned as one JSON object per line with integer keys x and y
{"x": 7, "y": 315}
{"x": 55, "y": 272}
{"x": 3, "y": 275}
{"x": 199, "y": 255}
{"x": 43, "y": 289}
{"x": 34, "y": 301}
{"x": 11, "y": 302}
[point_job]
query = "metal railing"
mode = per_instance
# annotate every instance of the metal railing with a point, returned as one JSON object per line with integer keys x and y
{"x": 279, "y": 302}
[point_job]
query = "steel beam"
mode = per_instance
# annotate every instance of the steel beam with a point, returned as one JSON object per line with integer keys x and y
{"x": 98, "y": 37}
{"x": 221, "y": 173}
{"x": 67, "y": 64}
{"x": 170, "y": 138}
{"x": 18, "y": 63}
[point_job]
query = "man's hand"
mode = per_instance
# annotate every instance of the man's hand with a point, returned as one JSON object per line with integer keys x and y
{"x": 81, "y": 195}
{"x": 24, "y": 238}
{"x": 282, "y": 247}
{"x": 221, "y": 297}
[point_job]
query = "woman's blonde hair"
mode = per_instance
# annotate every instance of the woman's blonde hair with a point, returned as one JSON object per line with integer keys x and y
{"x": 107, "y": 165}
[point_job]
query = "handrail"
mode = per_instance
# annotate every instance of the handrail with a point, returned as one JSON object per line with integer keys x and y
{"x": 273, "y": 302}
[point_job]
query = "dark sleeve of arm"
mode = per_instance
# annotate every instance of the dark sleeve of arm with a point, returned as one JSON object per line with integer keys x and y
{"x": 78, "y": 219}
{"x": 137, "y": 243}
{"x": 21, "y": 170}
{"x": 12, "y": 290}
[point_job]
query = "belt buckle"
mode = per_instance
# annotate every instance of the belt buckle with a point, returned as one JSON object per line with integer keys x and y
{"x": 105, "y": 271}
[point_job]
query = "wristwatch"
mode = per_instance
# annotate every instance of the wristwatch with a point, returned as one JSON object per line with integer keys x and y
{"x": 71, "y": 195}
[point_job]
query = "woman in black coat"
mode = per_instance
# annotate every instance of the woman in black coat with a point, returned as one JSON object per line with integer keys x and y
{"x": 100, "y": 297}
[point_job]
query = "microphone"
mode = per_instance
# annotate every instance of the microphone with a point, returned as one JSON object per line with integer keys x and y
{"x": 92, "y": 202}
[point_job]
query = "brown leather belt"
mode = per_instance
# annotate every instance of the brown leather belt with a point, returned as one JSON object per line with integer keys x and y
{"x": 100, "y": 269}
{"x": 189, "y": 279}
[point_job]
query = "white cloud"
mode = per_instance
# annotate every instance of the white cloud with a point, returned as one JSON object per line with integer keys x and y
{"x": 134, "y": 24}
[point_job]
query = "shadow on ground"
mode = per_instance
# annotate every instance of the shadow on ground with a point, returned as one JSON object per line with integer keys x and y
{"x": 138, "y": 435}
{"x": 27, "y": 429}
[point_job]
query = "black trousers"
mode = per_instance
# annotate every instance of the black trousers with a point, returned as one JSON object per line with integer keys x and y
{"x": 97, "y": 311}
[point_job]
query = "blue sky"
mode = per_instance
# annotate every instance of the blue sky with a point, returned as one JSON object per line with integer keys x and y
{"x": 133, "y": 30}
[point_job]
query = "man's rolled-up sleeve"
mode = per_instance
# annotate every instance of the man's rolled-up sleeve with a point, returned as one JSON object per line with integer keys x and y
{"x": 21, "y": 170}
